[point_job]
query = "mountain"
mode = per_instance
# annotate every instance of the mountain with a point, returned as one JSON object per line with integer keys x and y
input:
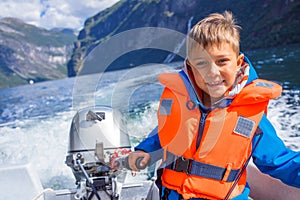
{"x": 264, "y": 24}
{"x": 69, "y": 31}
{"x": 32, "y": 54}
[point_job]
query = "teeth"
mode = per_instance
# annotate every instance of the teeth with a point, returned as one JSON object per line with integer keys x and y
{"x": 215, "y": 83}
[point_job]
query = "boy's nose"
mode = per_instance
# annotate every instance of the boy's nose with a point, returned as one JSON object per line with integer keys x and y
{"x": 213, "y": 70}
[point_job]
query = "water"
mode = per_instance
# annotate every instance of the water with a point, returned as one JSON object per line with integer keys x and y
{"x": 280, "y": 64}
{"x": 35, "y": 119}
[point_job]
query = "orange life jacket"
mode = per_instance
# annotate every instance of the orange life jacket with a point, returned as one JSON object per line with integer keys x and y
{"x": 225, "y": 137}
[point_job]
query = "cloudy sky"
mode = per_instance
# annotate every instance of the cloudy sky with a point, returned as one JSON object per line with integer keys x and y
{"x": 53, "y": 13}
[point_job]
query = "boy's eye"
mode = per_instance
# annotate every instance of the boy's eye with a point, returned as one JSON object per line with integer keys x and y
{"x": 202, "y": 63}
{"x": 222, "y": 61}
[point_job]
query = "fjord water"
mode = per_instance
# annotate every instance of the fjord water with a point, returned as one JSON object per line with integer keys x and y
{"x": 35, "y": 119}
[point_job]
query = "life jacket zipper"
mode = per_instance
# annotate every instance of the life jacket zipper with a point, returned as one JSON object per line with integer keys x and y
{"x": 204, "y": 114}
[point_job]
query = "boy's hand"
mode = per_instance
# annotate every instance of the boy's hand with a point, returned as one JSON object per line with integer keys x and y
{"x": 133, "y": 157}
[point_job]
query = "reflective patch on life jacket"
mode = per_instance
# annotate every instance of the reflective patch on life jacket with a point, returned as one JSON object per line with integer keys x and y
{"x": 166, "y": 106}
{"x": 264, "y": 84}
{"x": 244, "y": 127}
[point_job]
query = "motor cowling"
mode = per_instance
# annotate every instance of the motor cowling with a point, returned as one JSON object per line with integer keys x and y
{"x": 96, "y": 135}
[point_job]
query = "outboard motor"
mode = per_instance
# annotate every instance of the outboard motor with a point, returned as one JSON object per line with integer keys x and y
{"x": 97, "y": 145}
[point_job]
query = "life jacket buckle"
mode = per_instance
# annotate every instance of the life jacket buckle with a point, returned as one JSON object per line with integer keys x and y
{"x": 182, "y": 165}
{"x": 227, "y": 172}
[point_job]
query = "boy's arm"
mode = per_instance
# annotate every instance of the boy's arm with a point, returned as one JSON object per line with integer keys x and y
{"x": 272, "y": 156}
{"x": 152, "y": 146}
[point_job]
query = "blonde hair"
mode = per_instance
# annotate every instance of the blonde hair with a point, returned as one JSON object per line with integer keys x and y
{"x": 215, "y": 29}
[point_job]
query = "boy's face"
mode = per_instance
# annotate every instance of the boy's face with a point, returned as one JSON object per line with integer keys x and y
{"x": 214, "y": 69}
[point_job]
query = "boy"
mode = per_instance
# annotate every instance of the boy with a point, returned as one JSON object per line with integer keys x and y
{"x": 212, "y": 120}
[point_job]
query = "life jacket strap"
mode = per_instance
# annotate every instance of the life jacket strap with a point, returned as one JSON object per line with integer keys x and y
{"x": 193, "y": 167}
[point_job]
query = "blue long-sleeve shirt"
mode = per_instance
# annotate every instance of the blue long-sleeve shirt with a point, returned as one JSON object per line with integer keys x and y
{"x": 272, "y": 157}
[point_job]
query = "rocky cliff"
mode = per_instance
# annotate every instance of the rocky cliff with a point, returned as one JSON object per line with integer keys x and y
{"x": 32, "y": 54}
{"x": 265, "y": 24}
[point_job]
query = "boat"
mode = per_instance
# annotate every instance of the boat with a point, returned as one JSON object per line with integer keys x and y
{"x": 97, "y": 155}
{"x": 265, "y": 187}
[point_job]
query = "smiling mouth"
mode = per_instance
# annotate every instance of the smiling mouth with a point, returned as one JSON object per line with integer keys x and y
{"x": 215, "y": 83}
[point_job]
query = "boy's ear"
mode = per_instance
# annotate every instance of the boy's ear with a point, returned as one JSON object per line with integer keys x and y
{"x": 240, "y": 60}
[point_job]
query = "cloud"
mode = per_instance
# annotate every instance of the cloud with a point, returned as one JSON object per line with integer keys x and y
{"x": 53, "y": 13}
